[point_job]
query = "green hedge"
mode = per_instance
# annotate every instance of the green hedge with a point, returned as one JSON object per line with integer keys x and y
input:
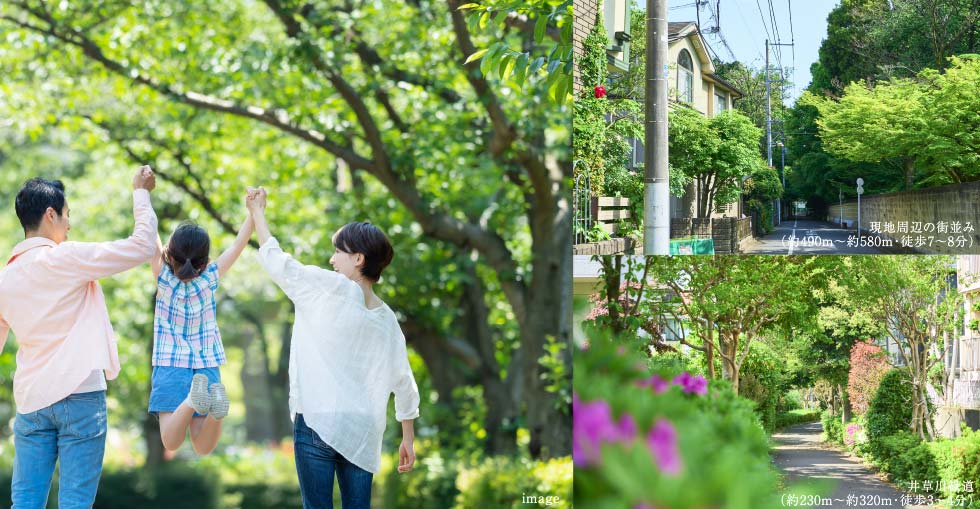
{"x": 723, "y": 449}
{"x": 959, "y": 459}
{"x": 798, "y": 416}
{"x": 905, "y": 457}
{"x": 503, "y": 483}
{"x": 435, "y": 483}
{"x": 891, "y": 408}
{"x": 833, "y": 428}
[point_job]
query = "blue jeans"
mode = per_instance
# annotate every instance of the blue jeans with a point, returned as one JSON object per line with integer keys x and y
{"x": 316, "y": 463}
{"x": 72, "y": 432}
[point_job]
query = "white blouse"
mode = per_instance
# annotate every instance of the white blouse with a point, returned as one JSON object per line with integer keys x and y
{"x": 345, "y": 359}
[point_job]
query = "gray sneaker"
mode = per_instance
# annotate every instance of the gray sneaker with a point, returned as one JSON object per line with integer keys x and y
{"x": 219, "y": 402}
{"x": 199, "y": 398}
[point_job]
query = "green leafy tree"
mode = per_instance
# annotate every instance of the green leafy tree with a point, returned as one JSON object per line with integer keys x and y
{"x": 545, "y": 23}
{"x": 919, "y": 122}
{"x": 346, "y": 111}
{"x": 714, "y": 154}
{"x": 728, "y": 303}
{"x": 913, "y": 298}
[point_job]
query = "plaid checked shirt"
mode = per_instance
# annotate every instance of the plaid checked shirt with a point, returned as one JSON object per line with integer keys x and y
{"x": 185, "y": 330}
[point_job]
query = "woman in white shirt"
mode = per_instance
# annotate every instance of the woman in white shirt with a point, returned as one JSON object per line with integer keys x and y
{"x": 346, "y": 358}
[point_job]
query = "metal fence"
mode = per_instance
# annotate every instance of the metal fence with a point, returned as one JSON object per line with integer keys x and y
{"x": 582, "y": 203}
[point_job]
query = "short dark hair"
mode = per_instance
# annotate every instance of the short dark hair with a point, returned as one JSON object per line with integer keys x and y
{"x": 34, "y": 199}
{"x": 368, "y": 240}
{"x": 187, "y": 251}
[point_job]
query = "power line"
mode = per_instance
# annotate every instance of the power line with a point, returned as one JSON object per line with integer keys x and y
{"x": 763, "y": 18}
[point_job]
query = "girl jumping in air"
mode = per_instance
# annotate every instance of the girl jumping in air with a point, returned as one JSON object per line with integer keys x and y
{"x": 186, "y": 390}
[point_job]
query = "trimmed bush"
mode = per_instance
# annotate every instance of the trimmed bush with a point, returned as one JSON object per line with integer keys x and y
{"x": 642, "y": 438}
{"x": 505, "y": 483}
{"x": 833, "y": 429}
{"x": 798, "y": 416}
{"x": 891, "y": 409}
{"x": 959, "y": 459}
{"x": 165, "y": 487}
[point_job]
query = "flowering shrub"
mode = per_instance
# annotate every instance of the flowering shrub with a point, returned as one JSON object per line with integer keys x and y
{"x": 854, "y": 435}
{"x": 868, "y": 366}
{"x": 647, "y": 434}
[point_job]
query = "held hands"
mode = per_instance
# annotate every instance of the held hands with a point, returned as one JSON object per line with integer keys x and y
{"x": 406, "y": 456}
{"x": 255, "y": 199}
{"x": 144, "y": 179}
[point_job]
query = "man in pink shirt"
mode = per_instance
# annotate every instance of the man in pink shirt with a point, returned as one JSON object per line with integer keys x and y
{"x": 51, "y": 299}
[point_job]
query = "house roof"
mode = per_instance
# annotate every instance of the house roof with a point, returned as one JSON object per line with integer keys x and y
{"x": 678, "y": 30}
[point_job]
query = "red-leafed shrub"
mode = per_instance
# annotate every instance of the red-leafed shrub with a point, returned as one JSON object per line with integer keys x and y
{"x": 869, "y": 364}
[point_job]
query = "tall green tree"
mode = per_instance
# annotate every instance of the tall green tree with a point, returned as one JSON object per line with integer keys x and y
{"x": 920, "y": 122}
{"x": 714, "y": 154}
{"x": 376, "y": 100}
{"x": 914, "y": 300}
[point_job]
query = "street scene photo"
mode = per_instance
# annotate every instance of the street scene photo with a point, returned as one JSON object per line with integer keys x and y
{"x": 745, "y": 382}
{"x": 724, "y": 127}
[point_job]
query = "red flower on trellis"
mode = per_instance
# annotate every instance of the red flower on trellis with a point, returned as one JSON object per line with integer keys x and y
{"x": 600, "y": 91}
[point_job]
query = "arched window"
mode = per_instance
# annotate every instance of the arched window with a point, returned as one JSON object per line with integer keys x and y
{"x": 685, "y": 77}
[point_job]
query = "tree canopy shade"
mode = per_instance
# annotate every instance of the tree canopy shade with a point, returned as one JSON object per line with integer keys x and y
{"x": 344, "y": 109}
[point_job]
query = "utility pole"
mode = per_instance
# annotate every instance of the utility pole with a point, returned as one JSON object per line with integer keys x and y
{"x": 779, "y": 211}
{"x": 769, "y": 125}
{"x": 656, "y": 190}
{"x": 782, "y": 169}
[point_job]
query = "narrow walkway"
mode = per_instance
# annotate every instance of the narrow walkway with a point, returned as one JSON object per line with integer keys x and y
{"x": 798, "y": 453}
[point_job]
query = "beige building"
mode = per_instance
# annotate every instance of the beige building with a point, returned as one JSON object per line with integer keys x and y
{"x": 693, "y": 83}
{"x": 966, "y": 388}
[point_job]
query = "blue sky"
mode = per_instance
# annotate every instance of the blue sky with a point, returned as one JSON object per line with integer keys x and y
{"x": 743, "y": 29}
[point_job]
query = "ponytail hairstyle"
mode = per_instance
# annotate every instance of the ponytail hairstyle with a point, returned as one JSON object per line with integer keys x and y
{"x": 188, "y": 251}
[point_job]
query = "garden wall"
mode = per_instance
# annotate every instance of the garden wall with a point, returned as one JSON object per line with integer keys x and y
{"x": 935, "y": 206}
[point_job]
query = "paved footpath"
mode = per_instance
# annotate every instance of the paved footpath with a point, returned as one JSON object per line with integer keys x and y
{"x": 800, "y": 455}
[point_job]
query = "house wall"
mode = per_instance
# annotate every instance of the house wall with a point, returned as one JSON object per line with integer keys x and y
{"x": 701, "y": 97}
{"x": 585, "y": 18}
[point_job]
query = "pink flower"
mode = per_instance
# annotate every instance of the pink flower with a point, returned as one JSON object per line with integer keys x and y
{"x": 593, "y": 425}
{"x": 692, "y": 384}
{"x": 662, "y": 441}
{"x": 658, "y": 384}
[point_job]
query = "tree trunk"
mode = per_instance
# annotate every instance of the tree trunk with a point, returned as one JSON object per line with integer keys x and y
{"x": 261, "y": 410}
{"x": 547, "y": 415}
{"x": 709, "y": 349}
{"x": 845, "y": 405}
{"x": 151, "y": 424}
{"x": 151, "y": 437}
{"x": 501, "y": 419}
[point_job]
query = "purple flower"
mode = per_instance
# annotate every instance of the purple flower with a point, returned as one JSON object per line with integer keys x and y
{"x": 643, "y": 505}
{"x": 662, "y": 441}
{"x": 658, "y": 384}
{"x": 692, "y": 384}
{"x": 593, "y": 425}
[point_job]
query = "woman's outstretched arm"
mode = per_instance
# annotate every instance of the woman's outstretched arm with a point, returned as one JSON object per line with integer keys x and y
{"x": 406, "y": 451}
{"x": 228, "y": 258}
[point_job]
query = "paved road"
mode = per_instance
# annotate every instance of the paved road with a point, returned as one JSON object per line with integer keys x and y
{"x": 811, "y": 237}
{"x": 800, "y": 456}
